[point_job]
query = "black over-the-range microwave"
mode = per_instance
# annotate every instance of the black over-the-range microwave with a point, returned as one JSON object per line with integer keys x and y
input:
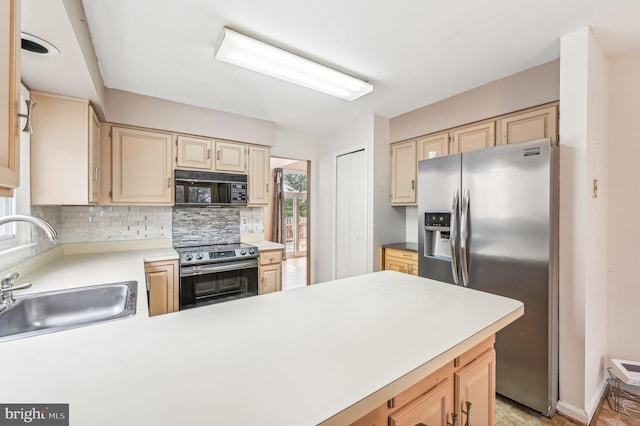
{"x": 194, "y": 188}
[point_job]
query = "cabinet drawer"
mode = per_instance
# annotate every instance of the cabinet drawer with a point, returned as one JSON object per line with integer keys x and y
{"x": 270, "y": 257}
{"x": 402, "y": 254}
{"x": 475, "y": 352}
{"x": 432, "y": 408}
{"x": 422, "y": 387}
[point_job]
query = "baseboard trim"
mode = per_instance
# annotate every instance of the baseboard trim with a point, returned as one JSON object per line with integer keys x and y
{"x": 596, "y": 398}
{"x": 575, "y": 413}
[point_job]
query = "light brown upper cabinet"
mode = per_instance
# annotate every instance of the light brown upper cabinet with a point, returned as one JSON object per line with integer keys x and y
{"x": 529, "y": 125}
{"x": 438, "y": 143}
{"x": 65, "y": 151}
{"x": 474, "y": 137}
{"x": 9, "y": 96}
{"x": 141, "y": 167}
{"x": 258, "y": 176}
{"x": 231, "y": 157}
{"x": 404, "y": 165}
{"x": 194, "y": 153}
{"x": 213, "y": 155}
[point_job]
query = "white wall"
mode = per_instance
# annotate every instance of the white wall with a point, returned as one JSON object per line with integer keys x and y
{"x": 144, "y": 111}
{"x": 582, "y": 295}
{"x": 385, "y": 224}
{"x": 388, "y": 223}
{"x": 535, "y": 86}
{"x": 623, "y": 314}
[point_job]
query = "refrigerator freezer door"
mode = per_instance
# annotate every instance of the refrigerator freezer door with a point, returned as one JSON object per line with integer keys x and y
{"x": 510, "y": 253}
{"x": 438, "y": 182}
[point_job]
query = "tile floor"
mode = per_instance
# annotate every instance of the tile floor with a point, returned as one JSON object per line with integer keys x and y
{"x": 294, "y": 272}
{"x": 509, "y": 413}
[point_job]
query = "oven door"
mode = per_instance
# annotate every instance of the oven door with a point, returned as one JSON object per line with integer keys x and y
{"x": 206, "y": 284}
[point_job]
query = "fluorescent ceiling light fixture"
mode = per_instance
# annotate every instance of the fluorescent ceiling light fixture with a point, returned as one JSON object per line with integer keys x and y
{"x": 247, "y": 52}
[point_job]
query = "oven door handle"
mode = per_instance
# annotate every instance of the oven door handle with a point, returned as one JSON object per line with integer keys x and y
{"x": 189, "y": 271}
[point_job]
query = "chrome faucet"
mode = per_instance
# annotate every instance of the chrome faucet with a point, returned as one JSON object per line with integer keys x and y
{"x": 7, "y": 288}
{"x": 43, "y": 224}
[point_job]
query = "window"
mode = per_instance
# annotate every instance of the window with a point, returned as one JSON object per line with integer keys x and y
{"x": 7, "y": 231}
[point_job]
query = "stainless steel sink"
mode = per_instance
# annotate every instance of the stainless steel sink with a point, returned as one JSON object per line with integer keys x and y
{"x": 51, "y": 311}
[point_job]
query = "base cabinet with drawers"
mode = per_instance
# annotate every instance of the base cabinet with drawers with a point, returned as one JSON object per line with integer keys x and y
{"x": 270, "y": 271}
{"x": 462, "y": 392}
{"x": 394, "y": 259}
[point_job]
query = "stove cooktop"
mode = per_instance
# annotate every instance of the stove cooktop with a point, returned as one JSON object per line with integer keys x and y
{"x": 216, "y": 253}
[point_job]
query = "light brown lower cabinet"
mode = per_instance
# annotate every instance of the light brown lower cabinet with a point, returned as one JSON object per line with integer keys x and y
{"x": 399, "y": 260}
{"x": 461, "y": 392}
{"x": 270, "y": 271}
{"x": 163, "y": 287}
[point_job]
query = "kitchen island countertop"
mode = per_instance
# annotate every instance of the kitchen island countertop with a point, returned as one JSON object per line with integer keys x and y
{"x": 298, "y": 357}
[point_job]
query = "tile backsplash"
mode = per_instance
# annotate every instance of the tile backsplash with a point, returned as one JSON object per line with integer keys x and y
{"x": 80, "y": 224}
{"x": 187, "y": 226}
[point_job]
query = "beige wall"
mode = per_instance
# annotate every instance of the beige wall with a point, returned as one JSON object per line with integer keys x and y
{"x": 623, "y": 313}
{"x": 144, "y": 111}
{"x": 583, "y": 152}
{"x": 535, "y": 86}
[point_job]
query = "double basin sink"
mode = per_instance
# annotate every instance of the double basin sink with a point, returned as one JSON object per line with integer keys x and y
{"x": 51, "y": 311}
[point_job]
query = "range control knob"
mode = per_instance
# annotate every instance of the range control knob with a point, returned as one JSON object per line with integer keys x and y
{"x": 252, "y": 251}
{"x": 243, "y": 252}
{"x": 199, "y": 256}
{"x": 188, "y": 258}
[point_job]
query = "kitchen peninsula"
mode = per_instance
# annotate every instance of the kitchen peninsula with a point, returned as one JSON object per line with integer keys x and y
{"x": 328, "y": 353}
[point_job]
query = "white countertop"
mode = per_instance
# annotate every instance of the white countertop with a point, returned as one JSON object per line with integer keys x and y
{"x": 296, "y": 357}
{"x": 266, "y": 245}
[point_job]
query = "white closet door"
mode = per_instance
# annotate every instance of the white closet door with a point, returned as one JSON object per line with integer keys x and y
{"x": 351, "y": 214}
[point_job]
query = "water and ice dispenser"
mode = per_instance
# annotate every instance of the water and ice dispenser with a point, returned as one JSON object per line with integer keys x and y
{"x": 437, "y": 234}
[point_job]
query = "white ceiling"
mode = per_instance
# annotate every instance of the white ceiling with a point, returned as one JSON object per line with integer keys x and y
{"x": 415, "y": 52}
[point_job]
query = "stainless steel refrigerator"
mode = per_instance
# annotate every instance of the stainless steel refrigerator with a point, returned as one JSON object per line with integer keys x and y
{"x": 489, "y": 221}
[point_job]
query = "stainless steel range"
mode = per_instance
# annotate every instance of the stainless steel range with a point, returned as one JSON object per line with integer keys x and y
{"x": 217, "y": 273}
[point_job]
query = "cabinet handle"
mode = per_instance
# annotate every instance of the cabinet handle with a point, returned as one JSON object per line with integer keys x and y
{"x": 96, "y": 173}
{"x": 208, "y": 153}
{"x": 218, "y": 155}
{"x": 413, "y": 184}
{"x": 454, "y": 420}
{"x": 406, "y": 255}
{"x": 168, "y": 182}
{"x": 421, "y": 424}
{"x": 468, "y": 413}
{"x": 267, "y": 187}
{"x": 271, "y": 259}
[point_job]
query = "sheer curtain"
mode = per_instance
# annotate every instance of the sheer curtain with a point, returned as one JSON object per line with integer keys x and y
{"x": 278, "y": 227}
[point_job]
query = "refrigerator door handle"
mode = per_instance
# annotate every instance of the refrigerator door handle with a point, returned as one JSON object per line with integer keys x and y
{"x": 454, "y": 235}
{"x": 464, "y": 237}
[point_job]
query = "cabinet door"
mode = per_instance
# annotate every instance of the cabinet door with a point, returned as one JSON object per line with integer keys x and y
{"x": 392, "y": 264}
{"x": 141, "y": 171}
{"x": 435, "y": 143}
{"x": 62, "y": 151}
{"x": 258, "y": 176}
{"x": 270, "y": 279}
{"x": 9, "y": 96}
{"x": 403, "y": 173}
{"x": 231, "y": 157}
{"x": 529, "y": 126}
{"x": 432, "y": 408}
{"x": 194, "y": 153}
{"x": 162, "y": 283}
{"x": 476, "y": 384}
{"x": 474, "y": 137}
{"x": 94, "y": 157}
